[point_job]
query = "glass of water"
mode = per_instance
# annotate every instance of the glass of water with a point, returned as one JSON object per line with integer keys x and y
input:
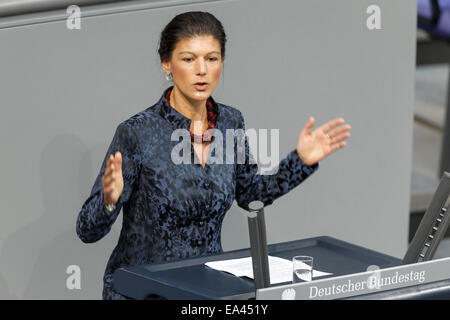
{"x": 302, "y": 268}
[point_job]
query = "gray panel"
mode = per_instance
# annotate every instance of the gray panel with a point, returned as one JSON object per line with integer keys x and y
{"x": 65, "y": 91}
{"x": 15, "y": 7}
{"x": 32, "y": 16}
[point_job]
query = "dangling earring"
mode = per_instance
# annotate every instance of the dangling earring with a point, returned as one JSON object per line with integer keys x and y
{"x": 169, "y": 77}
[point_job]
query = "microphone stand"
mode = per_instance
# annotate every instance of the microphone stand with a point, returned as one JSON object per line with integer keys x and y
{"x": 258, "y": 244}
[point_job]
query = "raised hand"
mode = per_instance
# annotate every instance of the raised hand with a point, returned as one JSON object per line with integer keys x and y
{"x": 314, "y": 145}
{"x": 112, "y": 179}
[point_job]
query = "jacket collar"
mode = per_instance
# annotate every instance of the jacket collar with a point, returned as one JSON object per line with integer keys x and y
{"x": 176, "y": 119}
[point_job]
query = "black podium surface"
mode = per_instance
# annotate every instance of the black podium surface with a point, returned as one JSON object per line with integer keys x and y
{"x": 191, "y": 279}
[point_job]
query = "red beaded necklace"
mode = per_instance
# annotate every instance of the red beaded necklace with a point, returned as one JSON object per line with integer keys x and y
{"x": 211, "y": 121}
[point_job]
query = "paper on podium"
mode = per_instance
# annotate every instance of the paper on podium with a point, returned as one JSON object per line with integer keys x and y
{"x": 280, "y": 269}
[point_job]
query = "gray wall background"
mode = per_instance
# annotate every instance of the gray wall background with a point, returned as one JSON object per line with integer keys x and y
{"x": 65, "y": 91}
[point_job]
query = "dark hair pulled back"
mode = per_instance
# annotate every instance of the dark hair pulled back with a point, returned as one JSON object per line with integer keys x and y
{"x": 186, "y": 26}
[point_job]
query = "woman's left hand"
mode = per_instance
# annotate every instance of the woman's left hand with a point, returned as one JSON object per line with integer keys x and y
{"x": 314, "y": 145}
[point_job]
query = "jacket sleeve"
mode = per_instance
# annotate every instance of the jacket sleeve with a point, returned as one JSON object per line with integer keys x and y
{"x": 251, "y": 186}
{"x": 94, "y": 220}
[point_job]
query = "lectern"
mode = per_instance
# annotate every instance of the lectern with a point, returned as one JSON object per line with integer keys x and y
{"x": 191, "y": 279}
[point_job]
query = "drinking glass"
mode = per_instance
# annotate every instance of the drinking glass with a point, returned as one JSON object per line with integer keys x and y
{"x": 302, "y": 269}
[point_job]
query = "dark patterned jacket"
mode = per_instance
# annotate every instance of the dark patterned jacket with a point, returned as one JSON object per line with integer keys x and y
{"x": 175, "y": 211}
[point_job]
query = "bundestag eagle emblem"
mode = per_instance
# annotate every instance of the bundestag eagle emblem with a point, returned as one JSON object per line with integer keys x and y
{"x": 288, "y": 294}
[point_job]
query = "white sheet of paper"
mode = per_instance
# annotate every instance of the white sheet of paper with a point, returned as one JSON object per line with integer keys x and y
{"x": 280, "y": 269}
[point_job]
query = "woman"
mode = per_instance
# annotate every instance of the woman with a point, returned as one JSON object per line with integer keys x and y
{"x": 174, "y": 211}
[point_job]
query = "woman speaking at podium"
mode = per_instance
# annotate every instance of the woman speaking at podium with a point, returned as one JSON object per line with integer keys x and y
{"x": 173, "y": 211}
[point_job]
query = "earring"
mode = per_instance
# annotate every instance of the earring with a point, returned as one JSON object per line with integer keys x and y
{"x": 169, "y": 77}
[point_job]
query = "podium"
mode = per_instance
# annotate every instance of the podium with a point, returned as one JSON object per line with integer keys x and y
{"x": 190, "y": 279}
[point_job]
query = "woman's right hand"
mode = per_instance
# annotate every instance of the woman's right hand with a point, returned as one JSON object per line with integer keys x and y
{"x": 112, "y": 179}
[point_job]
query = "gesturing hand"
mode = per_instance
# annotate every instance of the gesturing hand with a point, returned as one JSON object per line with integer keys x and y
{"x": 112, "y": 179}
{"x": 315, "y": 145}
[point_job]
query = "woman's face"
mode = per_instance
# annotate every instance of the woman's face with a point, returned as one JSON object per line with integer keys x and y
{"x": 195, "y": 60}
